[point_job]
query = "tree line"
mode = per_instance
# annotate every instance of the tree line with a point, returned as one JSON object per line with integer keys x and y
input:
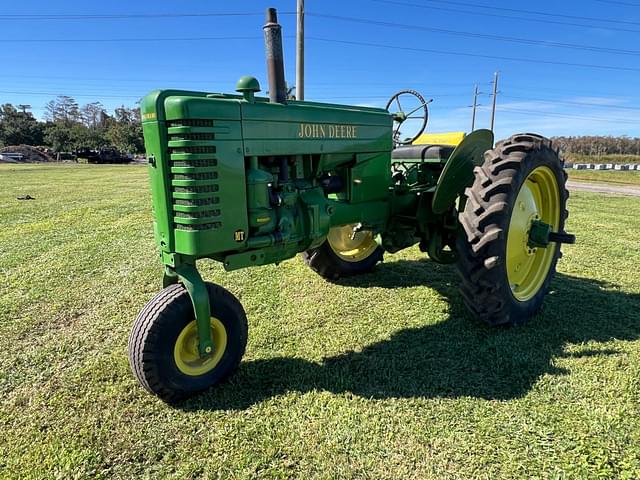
{"x": 599, "y": 145}
{"x": 68, "y": 127}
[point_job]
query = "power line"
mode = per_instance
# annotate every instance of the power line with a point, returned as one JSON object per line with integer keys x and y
{"x": 81, "y": 89}
{"x": 332, "y": 97}
{"x": 619, "y": 3}
{"x": 567, "y": 115}
{"x": 572, "y": 91}
{"x": 130, "y": 16}
{"x": 160, "y": 84}
{"x": 124, "y": 93}
{"x": 503, "y": 38}
{"x": 229, "y": 82}
{"x": 477, "y": 55}
{"x": 442, "y": 52}
{"x": 568, "y": 102}
{"x": 108, "y": 40}
{"x": 510, "y": 17}
{"x": 534, "y": 12}
{"x": 81, "y": 95}
{"x": 247, "y": 14}
{"x": 345, "y": 42}
{"x": 50, "y": 17}
{"x": 318, "y": 89}
{"x": 431, "y": 94}
{"x": 335, "y": 85}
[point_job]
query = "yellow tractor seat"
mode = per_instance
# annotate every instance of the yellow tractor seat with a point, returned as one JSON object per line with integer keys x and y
{"x": 444, "y": 138}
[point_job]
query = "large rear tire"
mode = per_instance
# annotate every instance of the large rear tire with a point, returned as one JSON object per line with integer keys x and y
{"x": 504, "y": 279}
{"x": 163, "y": 345}
{"x": 344, "y": 253}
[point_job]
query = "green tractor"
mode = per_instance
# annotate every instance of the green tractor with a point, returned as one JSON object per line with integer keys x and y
{"x": 249, "y": 181}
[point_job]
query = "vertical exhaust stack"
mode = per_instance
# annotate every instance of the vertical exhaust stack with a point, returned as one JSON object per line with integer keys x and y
{"x": 275, "y": 58}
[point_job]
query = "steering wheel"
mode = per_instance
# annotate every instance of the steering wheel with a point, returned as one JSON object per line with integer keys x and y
{"x": 417, "y": 115}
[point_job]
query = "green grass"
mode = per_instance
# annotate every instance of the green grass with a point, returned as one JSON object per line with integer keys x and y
{"x": 614, "y": 158}
{"x": 606, "y": 176}
{"x": 382, "y": 376}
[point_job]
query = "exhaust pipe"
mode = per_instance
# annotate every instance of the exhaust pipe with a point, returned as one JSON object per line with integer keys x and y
{"x": 275, "y": 58}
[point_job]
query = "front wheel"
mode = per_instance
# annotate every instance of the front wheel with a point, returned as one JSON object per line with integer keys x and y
{"x": 514, "y": 209}
{"x": 163, "y": 345}
{"x": 344, "y": 253}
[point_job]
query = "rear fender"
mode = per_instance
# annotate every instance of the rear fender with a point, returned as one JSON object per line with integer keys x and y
{"x": 458, "y": 171}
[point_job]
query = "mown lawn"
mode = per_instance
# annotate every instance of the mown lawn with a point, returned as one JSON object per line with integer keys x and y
{"x": 606, "y": 176}
{"x": 383, "y": 376}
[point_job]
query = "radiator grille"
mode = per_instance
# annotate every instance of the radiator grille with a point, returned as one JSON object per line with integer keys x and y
{"x": 196, "y": 189}
{"x": 191, "y": 122}
{"x": 195, "y": 163}
{"x": 199, "y": 214}
{"x": 203, "y": 226}
{"x": 194, "y": 175}
{"x": 192, "y": 136}
{"x": 193, "y": 149}
{"x": 198, "y": 202}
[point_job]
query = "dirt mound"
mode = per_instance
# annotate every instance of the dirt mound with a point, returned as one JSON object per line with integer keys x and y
{"x": 24, "y": 154}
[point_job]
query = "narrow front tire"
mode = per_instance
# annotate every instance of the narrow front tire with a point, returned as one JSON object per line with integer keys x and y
{"x": 163, "y": 345}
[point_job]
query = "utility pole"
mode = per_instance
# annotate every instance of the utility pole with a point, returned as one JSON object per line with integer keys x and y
{"x": 494, "y": 95}
{"x": 475, "y": 105}
{"x": 300, "y": 51}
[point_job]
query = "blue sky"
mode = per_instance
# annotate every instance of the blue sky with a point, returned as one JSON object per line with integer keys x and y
{"x": 438, "y": 47}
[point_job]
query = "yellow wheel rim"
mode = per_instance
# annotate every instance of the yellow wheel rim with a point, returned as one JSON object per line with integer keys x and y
{"x": 538, "y": 199}
{"x": 185, "y": 351}
{"x": 350, "y": 246}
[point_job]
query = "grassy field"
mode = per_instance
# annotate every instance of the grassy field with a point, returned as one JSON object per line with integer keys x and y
{"x": 606, "y": 176}
{"x": 580, "y": 158}
{"x": 382, "y": 376}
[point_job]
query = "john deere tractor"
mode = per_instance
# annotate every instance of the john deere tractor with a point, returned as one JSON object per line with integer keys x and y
{"x": 249, "y": 181}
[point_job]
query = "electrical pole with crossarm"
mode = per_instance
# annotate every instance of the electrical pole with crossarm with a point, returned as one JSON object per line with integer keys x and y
{"x": 494, "y": 95}
{"x": 475, "y": 107}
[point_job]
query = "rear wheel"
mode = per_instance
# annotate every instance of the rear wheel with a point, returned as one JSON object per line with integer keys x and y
{"x": 163, "y": 345}
{"x": 520, "y": 185}
{"x": 344, "y": 253}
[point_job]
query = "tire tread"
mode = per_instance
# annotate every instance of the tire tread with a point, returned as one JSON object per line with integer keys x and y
{"x": 484, "y": 221}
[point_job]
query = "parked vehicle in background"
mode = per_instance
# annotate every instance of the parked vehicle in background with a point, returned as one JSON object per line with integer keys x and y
{"x": 103, "y": 155}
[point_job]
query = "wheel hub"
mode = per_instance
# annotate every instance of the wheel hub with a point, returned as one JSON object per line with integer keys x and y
{"x": 538, "y": 201}
{"x": 186, "y": 353}
{"x": 351, "y": 245}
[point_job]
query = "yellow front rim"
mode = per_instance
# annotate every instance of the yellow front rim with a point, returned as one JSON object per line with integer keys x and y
{"x": 185, "y": 351}
{"x": 538, "y": 199}
{"x": 350, "y": 246}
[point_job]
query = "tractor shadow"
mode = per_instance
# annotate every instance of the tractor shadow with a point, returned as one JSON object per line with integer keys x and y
{"x": 458, "y": 357}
